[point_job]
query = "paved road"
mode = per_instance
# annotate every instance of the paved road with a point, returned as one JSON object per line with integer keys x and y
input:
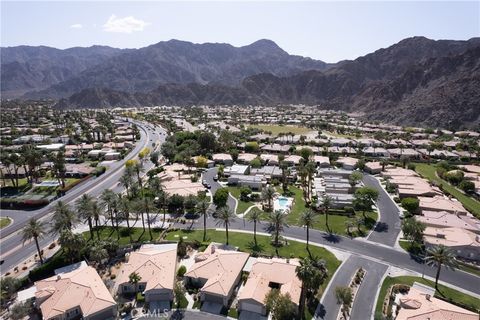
{"x": 208, "y": 176}
{"x": 11, "y": 249}
{"x": 362, "y": 248}
{"x": 389, "y": 225}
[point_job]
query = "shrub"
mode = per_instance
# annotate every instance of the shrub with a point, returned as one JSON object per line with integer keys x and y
{"x": 181, "y": 271}
{"x": 467, "y": 186}
{"x": 410, "y": 204}
{"x": 140, "y": 298}
{"x": 100, "y": 170}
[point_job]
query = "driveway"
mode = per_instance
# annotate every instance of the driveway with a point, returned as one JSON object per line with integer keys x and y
{"x": 208, "y": 176}
{"x": 363, "y": 305}
{"x": 389, "y": 225}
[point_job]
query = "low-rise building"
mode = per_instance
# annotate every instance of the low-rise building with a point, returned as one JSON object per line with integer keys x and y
{"x": 156, "y": 264}
{"x": 236, "y": 169}
{"x": 347, "y": 163}
{"x": 269, "y": 172}
{"x": 75, "y": 292}
{"x": 217, "y": 271}
{"x": 265, "y": 275}
{"x": 246, "y": 158}
{"x": 256, "y": 182}
{"x": 464, "y": 243}
{"x": 443, "y": 219}
{"x": 222, "y": 158}
{"x": 440, "y": 203}
{"x": 418, "y": 304}
{"x": 321, "y": 161}
{"x": 373, "y": 167}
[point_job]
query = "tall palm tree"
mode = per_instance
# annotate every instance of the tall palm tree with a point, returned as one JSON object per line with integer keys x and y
{"x": 307, "y": 219}
{"x": 63, "y": 218}
{"x": 306, "y": 273}
{"x": 34, "y": 230}
{"x": 109, "y": 200}
{"x": 225, "y": 216}
{"x": 126, "y": 180}
{"x": 84, "y": 208}
{"x": 124, "y": 207}
{"x": 134, "y": 278}
{"x": 97, "y": 211}
{"x": 254, "y": 216}
{"x": 438, "y": 256}
{"x": 277, "y": 220}
{"x": 268, "y": 194}
{"x": 146, "y": 205}
{"x": 162, "y": 201}
{"x": 326, "y": 205}
{"x": 311, "y": 169}
{"x": 202, "y": 208}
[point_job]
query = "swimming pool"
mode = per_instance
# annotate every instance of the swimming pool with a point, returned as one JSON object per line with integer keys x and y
{"x": 283, "y": 204}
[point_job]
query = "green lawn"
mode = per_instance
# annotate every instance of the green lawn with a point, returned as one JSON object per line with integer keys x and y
{"x": 109, "y": 233}
{"x": 21, "y": 182}
{"x": 444, "y": 292}
{"x": 428, "y": 171}
{"x": 245, "y": 243}
{"x": 242, "y": 205}
{"x": 277, "y": 129}
{"x": 4, "y": 222}
{"x": 336, "y": 222}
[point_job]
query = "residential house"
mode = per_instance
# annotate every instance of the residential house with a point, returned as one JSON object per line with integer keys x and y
{"x": 156, "y": 264}
{"x": 222, "y": 158}
{"x": 76, "y": 291}
{"x": 347, "y": 163}
{"x": 265, "y": 275}
{"x": 217, "y": 272}
{"x": 464, "y": 243}
{"x": 373, "y": 167}
{"x": 440, "y": 203}
{"x": 443, "y": 219}
{"x": 418, "y": 304}
{"x": 246, "y": 158}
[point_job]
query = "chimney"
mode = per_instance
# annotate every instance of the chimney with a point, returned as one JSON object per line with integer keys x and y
{"x": 427, "y": 296}
{"x": 59, "y": 277}
{"x": 212, "y": 249}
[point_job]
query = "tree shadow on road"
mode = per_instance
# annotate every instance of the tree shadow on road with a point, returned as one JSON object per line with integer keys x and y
{"x": 331, "y": 237}
{"x": 381, "y": 227}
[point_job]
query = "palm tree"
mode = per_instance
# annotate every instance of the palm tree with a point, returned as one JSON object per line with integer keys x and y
{"x": 84, "y": 208}
{"x": 254, "y": 216}
{"x": 268, "y": 194}
{"x": 349, "y": 225}
{"x": 97, "y": 211}
{"x": 224, "y": 217}
{"x": 126, "y": 179}
{"x": 63, "y": 218}
{"x": 34, "y": 230}
{"x": 438, "y": 256}
{"x": 326, "y": 205}
{"x": 134, "y": 278}
{"x": 125, "y": 206}
{"x": 109, "y": 200}
{"x": 146, "y": 205}
{"x": 277, "y": 222}
{"x": 202, "y": 207}
{"x": 162, "y": 201}
{"x": 306, "y": 273}
{"x": 310, "y": 168}
{"x": 307, "y": 219}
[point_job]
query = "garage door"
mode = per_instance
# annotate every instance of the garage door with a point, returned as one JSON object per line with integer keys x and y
{"x": 213, "y": 298}
{"x": 252, "y": 307}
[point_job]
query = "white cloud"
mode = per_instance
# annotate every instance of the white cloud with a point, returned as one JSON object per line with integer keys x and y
{"x": 76, "y": 26}
{"x": 124, "y": 25}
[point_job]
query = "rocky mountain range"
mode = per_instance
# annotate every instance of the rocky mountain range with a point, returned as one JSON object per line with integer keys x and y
{"x": 146, "y": 68}
{"x": 416, "y": 81}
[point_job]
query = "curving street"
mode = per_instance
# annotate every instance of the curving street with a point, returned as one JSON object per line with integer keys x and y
{"x": 13, "y": 252}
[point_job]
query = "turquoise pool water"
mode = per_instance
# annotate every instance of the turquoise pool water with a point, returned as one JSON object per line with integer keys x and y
{"x": 283, "y": 202}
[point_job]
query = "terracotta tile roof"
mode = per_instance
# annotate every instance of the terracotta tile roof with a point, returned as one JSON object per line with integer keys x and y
{"x": 220, "y": 267}
{"x": 156, "y": 264}
{"x": 81, "y": 287}
{"x": 265, "y": 271}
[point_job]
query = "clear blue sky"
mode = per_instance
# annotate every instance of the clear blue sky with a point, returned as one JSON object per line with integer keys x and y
{"x": 330, "y": 31}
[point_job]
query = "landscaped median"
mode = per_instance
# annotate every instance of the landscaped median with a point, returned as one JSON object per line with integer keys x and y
{"x": 445, "y": 293}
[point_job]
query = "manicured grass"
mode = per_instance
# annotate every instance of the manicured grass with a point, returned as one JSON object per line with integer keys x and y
{"x": 336, "y": 222}
{"x": 444, "y": 292}
{"x": 245, "y": 243}
{"x": 468, "y": 268}
{"x": 242, "y": 205}
{"x": 429, "y": 171}
{"x": 21, "y": 182}
{"x": 137, "y": 234}
{"x": 4, "y": 222}
{"x": 233, "y": 313}
{"x": 276, "y": 129}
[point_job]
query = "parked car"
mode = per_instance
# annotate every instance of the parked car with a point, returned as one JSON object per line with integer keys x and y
{"x": 215, "y": 177}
